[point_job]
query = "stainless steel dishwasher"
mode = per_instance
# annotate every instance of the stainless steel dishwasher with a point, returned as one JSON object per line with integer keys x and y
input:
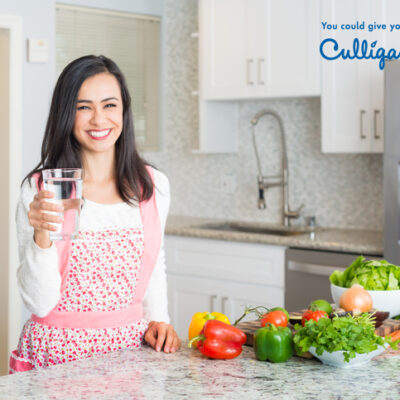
{"x": 307, "y": 275}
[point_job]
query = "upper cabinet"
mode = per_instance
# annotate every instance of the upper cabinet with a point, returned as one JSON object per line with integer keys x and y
{"x": 258, "y": 49}
{"x": 252, "y": 49}
{"x": 352, "y": 90}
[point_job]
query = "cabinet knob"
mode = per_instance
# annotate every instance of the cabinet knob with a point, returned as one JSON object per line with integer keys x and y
{"x": 362, "y": 135}
{"x": 212, "y": 301}
{"x": 260, "y": 71}
{"x": 223, "y": 302}
{"x": 376, "y": 135}
{"x": 249, "y": 64}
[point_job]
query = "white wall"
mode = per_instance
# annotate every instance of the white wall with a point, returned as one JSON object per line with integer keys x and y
{"x": 4, "y": 200}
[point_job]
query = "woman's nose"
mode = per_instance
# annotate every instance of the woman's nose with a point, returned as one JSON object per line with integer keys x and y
{"x": 98, "y": 116}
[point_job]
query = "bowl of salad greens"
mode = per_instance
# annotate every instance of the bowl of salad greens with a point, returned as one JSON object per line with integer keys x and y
{"x": 336, "y": 358}
{"x": 380, "y": 278}
{"x": 342, "y": 341}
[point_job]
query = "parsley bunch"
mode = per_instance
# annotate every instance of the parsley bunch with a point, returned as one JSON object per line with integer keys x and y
{"x": 350, "y": 334}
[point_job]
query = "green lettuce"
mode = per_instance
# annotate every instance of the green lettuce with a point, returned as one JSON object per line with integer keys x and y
{"x": 370, "y": 274}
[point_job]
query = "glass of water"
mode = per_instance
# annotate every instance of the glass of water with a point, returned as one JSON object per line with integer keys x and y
{"x": 66, "y": 184}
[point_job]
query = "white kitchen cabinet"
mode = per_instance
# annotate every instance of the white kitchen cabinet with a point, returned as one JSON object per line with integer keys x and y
{"x": 215, "y": 275}
{"x": 352, "y": 90}
{"x": 258, "y": 49}
{"x": 251, "y": 49}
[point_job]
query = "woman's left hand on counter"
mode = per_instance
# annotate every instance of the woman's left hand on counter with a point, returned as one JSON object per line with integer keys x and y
{"x": 161, "y": 334}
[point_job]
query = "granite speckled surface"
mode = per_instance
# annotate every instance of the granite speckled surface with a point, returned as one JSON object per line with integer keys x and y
{"x": 146, "y": 374}
{"x": 331, "y": 239}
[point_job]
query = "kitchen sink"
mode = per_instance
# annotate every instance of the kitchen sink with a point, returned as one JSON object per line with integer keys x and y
{"x": 250, "y": 227}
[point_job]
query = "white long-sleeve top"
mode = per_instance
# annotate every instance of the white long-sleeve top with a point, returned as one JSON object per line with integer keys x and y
{"x": 39, "y": 279}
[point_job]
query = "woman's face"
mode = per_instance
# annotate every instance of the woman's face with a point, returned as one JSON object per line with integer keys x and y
{"x": 98, "y": 120}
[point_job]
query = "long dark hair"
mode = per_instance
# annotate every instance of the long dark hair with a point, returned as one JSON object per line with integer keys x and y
{"x": 60, "y": 149}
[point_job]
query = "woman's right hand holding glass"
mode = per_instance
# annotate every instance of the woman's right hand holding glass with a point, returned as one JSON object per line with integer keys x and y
{"x": 41, "y": 218}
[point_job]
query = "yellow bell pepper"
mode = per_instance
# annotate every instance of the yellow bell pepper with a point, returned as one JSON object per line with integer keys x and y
{"x": 200, "y": 318}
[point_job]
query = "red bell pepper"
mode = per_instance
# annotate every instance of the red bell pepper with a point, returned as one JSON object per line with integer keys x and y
{"x": 219, "y": 340}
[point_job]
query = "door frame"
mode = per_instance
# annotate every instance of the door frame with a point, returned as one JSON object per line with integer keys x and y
{"x": 13, "y": 24}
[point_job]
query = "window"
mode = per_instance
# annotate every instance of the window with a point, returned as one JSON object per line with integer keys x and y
{"x": 133, "y": 42}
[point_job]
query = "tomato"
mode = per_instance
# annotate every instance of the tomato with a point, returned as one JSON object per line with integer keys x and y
{"x": 277, "y": 318}
{"x": 280, "y": 309}
{"x": 314, "y": 315}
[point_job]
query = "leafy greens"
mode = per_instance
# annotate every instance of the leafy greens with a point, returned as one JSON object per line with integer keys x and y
{"x": 370, "y": 274}
{"x": 351, "y": 334}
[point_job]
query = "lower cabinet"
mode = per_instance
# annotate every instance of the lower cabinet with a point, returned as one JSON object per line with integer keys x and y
{"x": 223, "y": 276}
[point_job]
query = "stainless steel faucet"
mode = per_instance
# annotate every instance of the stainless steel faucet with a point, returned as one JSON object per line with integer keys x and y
{"x": 282, "y": 179}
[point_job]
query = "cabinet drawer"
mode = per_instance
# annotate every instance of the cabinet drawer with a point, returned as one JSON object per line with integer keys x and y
{"x": 230, "y": 261}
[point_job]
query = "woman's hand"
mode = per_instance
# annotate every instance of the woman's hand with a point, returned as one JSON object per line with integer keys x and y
{"x": 41, "y": 220}
{"x": 161, "y": 334}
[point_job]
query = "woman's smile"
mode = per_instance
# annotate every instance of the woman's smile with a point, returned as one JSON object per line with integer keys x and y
{"x": 99, "y": 134}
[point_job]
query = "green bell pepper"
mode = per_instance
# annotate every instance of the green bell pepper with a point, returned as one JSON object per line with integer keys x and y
{"x": 273, "y": 343}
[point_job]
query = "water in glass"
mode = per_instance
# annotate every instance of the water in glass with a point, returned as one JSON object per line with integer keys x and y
{"x": 66, "y": 184}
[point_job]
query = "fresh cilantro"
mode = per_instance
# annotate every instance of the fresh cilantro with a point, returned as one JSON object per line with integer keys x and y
{"x": 350, "y": 334}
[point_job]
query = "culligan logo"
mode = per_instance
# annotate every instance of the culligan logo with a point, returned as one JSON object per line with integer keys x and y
{"x": 330, "y": 50}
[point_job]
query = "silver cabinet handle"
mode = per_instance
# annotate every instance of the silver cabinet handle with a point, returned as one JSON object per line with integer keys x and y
{"x": 362, "y": 135}
{"x": 376, "y": 136}
{"x": 249, "y": 64}
{"x": 223, "y": 302}
{"x": 313, "y": 269}
{"x": 212, "y": 301}
{"x": 260, "y": 64}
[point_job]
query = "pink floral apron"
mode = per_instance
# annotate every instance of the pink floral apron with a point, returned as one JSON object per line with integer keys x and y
{"x": 104, "y": 277}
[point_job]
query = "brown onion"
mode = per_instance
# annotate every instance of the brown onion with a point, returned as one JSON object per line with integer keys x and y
{"x": 356, "y": 299}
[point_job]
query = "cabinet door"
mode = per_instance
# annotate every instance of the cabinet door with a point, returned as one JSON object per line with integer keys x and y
{"x": 188, "y": 295}
{"x": 291, "y": 48}
{"x": 222, "y": 49}
{"x": 242, "y": 295}
{"x": 346, "y": 84}
{"x": 257, "y": 33}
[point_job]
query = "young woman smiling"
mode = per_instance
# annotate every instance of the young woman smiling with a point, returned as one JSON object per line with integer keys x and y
{"x": 107, "y": 289}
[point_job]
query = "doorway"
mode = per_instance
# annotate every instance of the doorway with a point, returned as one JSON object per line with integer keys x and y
{"x": 10, "y": 176}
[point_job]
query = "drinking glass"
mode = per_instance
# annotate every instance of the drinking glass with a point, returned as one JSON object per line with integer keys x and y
{"x": 66, "y": 184}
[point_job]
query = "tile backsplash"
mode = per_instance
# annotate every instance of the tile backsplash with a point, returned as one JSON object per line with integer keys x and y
{"x": 341, "y": 190}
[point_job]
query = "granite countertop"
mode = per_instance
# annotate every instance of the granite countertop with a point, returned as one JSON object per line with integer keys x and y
{"x": 146, "y": 374}
{"x": 331, "y": 239}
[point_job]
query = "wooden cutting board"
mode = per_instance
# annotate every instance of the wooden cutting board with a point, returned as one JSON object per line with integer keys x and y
{"x": 249, "y": 327}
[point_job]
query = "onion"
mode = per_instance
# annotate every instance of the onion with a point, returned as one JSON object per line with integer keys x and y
{"x": 356, "y": 299}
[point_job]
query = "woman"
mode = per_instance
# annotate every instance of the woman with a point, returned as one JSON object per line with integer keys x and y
{"x": 107, "y": 289}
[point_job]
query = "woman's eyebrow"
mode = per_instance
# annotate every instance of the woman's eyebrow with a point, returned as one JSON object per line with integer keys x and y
{"x": 90, "y": 101}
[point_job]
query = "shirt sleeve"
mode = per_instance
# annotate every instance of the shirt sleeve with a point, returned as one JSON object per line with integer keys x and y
{"x": 39, "y": 280}
{"x": 155, "y": 302}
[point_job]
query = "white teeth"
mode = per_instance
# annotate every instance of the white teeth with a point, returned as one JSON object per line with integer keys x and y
{"x": 99, "y": 134}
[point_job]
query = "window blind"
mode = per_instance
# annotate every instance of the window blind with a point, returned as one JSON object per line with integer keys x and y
{"x": 132, "y": 41}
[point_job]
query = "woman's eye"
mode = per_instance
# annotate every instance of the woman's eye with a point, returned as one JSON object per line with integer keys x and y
{"x": 110, "y": 105}
{"x": 83, "y": 108}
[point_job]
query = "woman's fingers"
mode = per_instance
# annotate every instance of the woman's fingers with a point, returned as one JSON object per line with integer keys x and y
{"x": 160, "y": 334}
{"x": 41, "y": 212}
{"x": 41, "y": 225}
{"x": 170, "y": 339}
{"x": 150, "y": 336}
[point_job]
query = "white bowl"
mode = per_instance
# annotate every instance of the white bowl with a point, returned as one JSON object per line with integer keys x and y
{"x": 382, "y": 300}
{"x": 336, "y": 358}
